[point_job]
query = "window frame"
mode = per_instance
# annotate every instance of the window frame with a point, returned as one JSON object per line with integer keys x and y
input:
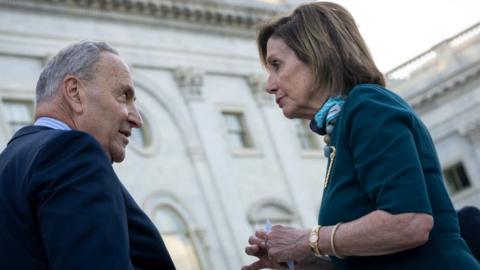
{"x": 184, "y": 231}
{"x": 196, "y": 234}
{"x": 151, "y": 148}
{"x": 251, "y": 151}
{"x": 16, "y": 97}
{"x": 460, "y": 164}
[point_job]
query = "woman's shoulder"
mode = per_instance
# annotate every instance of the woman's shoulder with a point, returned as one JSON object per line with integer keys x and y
{"x": 375, "y": 95}
{"x": 371, "y": 91}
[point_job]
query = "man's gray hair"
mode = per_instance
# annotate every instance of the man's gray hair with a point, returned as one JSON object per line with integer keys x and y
{"x": 78, "y": 59}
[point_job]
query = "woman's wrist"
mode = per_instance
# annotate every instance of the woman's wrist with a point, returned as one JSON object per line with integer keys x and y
{"x": 327, "y": 240}
{"x": 304, "y": 243}
{"x": 324, "y": 240}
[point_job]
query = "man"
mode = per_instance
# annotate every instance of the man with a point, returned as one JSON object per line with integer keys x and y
{"x": 61, "y": 204}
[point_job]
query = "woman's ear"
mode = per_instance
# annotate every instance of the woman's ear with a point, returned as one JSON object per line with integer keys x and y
{"x": 72, "y": 91}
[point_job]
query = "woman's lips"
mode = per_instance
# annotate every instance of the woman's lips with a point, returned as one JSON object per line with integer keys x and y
{"x": 278, "y": 101}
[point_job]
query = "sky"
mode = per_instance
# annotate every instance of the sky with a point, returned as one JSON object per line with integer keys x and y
{"x": 399, "y": 30}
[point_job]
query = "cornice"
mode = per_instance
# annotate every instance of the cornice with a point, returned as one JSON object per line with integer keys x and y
{"x": 445, "y": 86}
{"x": 212, "y": 13}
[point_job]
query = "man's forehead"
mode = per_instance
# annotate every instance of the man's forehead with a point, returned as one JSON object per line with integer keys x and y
{"x": 110, "y": 60}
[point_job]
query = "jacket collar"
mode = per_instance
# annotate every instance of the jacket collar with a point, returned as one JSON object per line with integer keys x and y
{"x": 26, "y": 131}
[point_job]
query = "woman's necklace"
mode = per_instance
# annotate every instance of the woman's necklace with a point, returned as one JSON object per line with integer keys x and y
{"x": 329, "y": 151}
{"x": 324, "y": 121}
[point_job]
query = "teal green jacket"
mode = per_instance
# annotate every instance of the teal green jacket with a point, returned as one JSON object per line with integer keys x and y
{"x": 386, "y": 160}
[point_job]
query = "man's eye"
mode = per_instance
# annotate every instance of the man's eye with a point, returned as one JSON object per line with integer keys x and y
{"x": 123, "y": 97}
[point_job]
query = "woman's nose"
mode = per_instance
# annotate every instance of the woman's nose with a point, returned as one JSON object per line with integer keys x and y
{"x": 271, "y": 85}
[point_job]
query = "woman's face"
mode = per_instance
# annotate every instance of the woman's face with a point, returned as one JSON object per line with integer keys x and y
{"x": 291, "y": 80}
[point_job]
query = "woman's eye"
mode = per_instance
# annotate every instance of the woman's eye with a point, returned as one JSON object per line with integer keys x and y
{"x": 275, "y": 64}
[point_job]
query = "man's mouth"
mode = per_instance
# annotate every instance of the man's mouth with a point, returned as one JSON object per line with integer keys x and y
{"x": 126, "y": 133}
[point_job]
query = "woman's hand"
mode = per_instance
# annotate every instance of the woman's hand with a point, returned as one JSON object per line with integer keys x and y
{"x": 276, "y": 248}
{"x": 288, "y": 244}
{"x": 258, "y": 249}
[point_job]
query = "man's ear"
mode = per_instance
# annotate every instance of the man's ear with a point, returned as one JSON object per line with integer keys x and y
{"x": 72, "y": 92}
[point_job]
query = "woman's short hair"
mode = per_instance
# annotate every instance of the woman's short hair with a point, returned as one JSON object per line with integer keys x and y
{"x": 324, "y": 36}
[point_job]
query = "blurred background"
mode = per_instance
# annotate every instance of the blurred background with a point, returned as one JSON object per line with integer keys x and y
{"x": 216, "y": 158}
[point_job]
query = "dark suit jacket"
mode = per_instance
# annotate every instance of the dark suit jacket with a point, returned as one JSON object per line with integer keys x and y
{"x": 63, "y": 207}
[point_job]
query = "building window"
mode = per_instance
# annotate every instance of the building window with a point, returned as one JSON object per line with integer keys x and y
{"x": 177, "y": 238}
{"x": 236, "y": 129}
{"x": 456, "y": 178}
{"x": 275, "y": 211}
{"x": 308, "y": 139}
{"x": 18, "y": 113}
{"x": 142, "y": 137}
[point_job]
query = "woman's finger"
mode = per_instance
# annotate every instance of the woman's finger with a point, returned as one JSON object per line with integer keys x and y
{"x": 252, "y": 250}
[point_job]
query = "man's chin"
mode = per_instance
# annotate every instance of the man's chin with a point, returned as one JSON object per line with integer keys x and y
{"x": 118, "y": 156}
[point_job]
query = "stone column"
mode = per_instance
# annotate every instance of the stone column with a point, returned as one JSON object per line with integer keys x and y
{"x": 190, "y": 82}
{"x": 217, "y": 238}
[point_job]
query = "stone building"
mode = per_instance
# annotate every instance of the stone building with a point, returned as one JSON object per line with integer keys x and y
{"x": 216, "y": 157}
{"x": 443, "y": 86}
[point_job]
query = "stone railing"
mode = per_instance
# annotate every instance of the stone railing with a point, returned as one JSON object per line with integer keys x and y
{"x": 428, "y": 59}
{"x": 444, "y": 68}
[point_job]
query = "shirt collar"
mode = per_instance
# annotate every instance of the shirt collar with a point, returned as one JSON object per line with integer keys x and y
{"x": 51, "y": 123}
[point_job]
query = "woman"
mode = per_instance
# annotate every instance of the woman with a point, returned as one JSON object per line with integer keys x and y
{"x": 384, "y": 203}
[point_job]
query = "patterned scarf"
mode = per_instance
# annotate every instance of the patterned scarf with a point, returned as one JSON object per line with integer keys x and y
{"x": 327, "y": 114}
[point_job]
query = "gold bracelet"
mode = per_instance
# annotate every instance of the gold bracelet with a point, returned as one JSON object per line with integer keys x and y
{"x": 313, "y": 240}
{"x": 318, "y": 245}
{"x": 332, "y": 240}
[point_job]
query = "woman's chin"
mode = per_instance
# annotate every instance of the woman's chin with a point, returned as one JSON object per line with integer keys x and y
{"x": 288, "y": 113}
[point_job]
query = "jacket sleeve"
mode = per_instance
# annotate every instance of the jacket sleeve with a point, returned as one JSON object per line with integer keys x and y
{"x": 381, "y": 138}
{"x": 147, "y": 249}
{"x": 79, "y": 205}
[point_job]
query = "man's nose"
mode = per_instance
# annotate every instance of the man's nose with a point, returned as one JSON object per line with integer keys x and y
{"x": 134, "y": 117}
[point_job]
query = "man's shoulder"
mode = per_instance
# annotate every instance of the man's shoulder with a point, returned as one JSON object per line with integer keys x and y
{"x": 45, "y": 143}
{"x": 69, "y": 156}
{"x": 70, "y": 143}
{"x": 44, "y": 135}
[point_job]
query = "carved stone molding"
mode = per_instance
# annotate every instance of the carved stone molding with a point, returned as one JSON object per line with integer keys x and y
{"x": 190, "y": 82}
{"x": 471, "y": 131}
{"x": 256, "y": 81}
{"x": 449, "y": 85}
{"x": 211, "y": 12}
